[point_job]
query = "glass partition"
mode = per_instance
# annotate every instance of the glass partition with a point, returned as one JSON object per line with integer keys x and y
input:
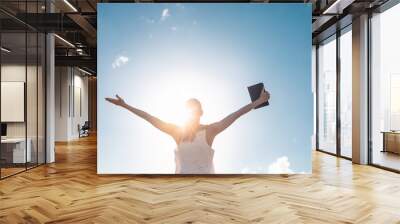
{"x": 31, "y": 99}
{"x": 13, "y": 94}
{"x": 22, "y": 101}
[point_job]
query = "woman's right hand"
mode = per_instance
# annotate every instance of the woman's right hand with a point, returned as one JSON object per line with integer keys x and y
{"x": 264, "y": 97}
{"x": 117, "y": 100}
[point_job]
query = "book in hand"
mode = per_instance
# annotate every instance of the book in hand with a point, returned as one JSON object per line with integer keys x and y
{"x": 255, "y": 92}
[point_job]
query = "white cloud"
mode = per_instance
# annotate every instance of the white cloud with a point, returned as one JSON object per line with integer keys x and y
{"x": 280, "y": 166}
{"x": 194, "y": 22}
{"x": 247, "y": 170}
{"x": 165, "y": 14}
{"x": 174, "y": 28}
{"x": 119, "y": 61}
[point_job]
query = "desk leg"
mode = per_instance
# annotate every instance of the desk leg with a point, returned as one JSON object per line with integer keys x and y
{"x": 384, "y": 142}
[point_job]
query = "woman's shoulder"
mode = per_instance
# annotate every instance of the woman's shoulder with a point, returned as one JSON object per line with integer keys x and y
{"x": 207, "y": 128}
{"x": 204, "y": 127}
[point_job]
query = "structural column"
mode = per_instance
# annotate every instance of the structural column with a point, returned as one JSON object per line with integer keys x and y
{"x": 50, "y": 92}
{"x": 360, "y": 90}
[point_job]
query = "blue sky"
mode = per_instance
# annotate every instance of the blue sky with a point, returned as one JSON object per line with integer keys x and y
{"x": 158, "y": 55}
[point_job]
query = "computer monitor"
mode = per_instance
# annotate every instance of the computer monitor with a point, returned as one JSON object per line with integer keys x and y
{"x": 3, "y": 129}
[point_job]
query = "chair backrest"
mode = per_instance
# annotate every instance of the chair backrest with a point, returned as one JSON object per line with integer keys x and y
{"x": 86, "y": 124}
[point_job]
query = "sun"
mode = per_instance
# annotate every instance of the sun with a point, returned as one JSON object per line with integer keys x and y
{"x": 168, "y": 95}
{"x": 172, "y": 97}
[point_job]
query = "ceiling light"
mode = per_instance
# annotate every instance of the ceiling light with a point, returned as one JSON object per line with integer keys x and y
{"x": 5, "y": 50}
{"x": 70, "y": 5}
{"x": 65, "y": 41}
{"x": 338, "y": 6}
{"x": 326, "y": 11}
{"x": 84, "y": 71}
{"x": 79, "y": 51}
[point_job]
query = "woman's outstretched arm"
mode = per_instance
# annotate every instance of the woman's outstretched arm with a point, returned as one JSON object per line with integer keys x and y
{"x": 217, "y": 127}
{"x": 168, "y": 128}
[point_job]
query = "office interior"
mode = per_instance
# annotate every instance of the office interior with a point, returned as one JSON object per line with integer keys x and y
{"x": 48, "y": 80}
{"x": 335, "y": 72}
{"x": 45, "y": 86}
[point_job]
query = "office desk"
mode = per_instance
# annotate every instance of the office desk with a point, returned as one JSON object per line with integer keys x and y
{"x": 391, "y": 142}
{"x": 13, "y": 150}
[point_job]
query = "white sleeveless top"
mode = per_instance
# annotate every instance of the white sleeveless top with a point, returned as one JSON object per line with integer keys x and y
{"x": 194, "y": 157}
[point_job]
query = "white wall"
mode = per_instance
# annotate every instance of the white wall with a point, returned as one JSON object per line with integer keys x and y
{"x": 79, "y": 117}
{"x": 16, "y": 73}
{"x": 70, "y": 83}
{"x": 61, "y": 103}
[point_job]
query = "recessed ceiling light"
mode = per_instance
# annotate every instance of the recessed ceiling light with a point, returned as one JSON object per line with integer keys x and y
{"x": 84, "y": 71}
{"x": 338, "y": 6}
{"x": 5, "y": 50}
{"x": 70, "y": 5}
{"x": 64, "y": 40}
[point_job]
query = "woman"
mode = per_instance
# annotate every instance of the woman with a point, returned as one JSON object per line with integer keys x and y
{"x": 194, "y": 153}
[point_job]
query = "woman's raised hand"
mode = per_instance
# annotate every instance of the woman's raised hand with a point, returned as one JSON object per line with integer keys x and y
{"x": 264, "y": 97}
{"x": 117, "y": 100}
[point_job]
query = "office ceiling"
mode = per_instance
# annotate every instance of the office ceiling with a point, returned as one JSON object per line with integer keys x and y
{"x": 75, "y": 21}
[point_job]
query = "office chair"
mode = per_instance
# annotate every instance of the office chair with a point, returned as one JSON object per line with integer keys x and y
{"x": 84, "y": 130}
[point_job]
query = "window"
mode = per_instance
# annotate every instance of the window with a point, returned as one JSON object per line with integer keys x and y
{"x": 385, "y": 89}
{"x": 346, "y": 92}
{"x": 395, "y": 102}
{"x": 327, "y": 95}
